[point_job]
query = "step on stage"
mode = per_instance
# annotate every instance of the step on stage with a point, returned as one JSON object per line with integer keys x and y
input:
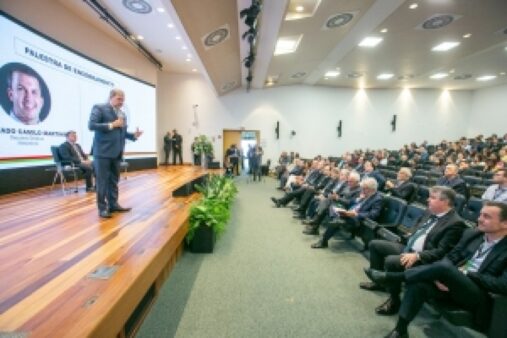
{"x": 64, "y": 272}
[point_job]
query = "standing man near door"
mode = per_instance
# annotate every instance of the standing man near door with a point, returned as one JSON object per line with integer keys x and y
{"x": 168, "y": 144}
{"x": 109, "y": 123}
{"x": 177, "y": 141}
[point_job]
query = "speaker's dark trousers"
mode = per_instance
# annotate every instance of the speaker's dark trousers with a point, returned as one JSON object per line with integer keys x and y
{"x": 107, "y": 176}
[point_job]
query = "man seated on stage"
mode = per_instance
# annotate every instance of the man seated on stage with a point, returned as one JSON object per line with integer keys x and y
{"x": 452, "y": 180}
{"x": 402, "y": 187}
{"x": 367, "y": 205}
{"x": 71, "y": 153}
{"x": 497, "y": 191}
{"x": 436, "y": 233}
{"x": 465, "y": 276}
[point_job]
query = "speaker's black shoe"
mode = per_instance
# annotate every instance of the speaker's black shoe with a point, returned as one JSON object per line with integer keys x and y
{"x": 388, "y": 308}
{"x": 105, "y": 214}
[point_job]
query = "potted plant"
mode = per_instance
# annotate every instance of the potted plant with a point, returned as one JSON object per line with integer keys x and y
{"x": 209, "y": 216}
{"x": 204, "y": 149}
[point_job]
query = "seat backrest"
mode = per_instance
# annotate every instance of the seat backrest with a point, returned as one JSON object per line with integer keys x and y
{"x": 420, "y": 179}
{"x": 472, "y": 180}
{"x": 459, "y": 203}
{"x": 56, "y": 156}
{"x": 393, "y": 210}
{"x": 412, "y": 215}
{"x": 423, "y": 192}
{"x": 472, "y": 209}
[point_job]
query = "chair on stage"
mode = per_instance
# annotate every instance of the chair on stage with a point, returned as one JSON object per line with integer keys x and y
{"x": 62, "y": 169}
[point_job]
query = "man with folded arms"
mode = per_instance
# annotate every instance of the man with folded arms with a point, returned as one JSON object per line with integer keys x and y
{"x": 435, "y": 235}
{"x": 465, "y": 276}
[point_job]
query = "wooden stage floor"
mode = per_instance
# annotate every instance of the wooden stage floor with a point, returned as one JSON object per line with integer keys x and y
{"x": 50, "y": 243}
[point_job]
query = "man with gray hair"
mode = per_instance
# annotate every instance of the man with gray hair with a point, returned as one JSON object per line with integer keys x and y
{"x": 402, "y": 187}
{"x": 436, "y": 233}
{"x": 367, "y": 205}
{"x": 452, "y": 180}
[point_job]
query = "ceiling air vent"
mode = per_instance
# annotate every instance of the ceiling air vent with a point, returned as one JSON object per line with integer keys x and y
{"x": 463, "y": 77}
{"x": 338, "y": 20}
{"x": 228, "y": 86}
{"x": 216, "y": 37}
{"x": 438, "y": 21}
{"x": 137, "y": 6}
{"x": 298, "y": 75}
{"x": 354, "y": 75}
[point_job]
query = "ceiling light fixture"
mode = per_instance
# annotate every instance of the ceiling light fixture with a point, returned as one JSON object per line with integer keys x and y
{"x": 287, "y": 45}
{"x": 178, "y": 38}
{"x": 445, "y": 46}
{"x": 170, "y": 25}
{"x": 385, "y": 30}
{"x": 332, "y": 73}
{"x": 385, "y": 76}
{"x": 140, "y": 37}
{"x": 194, "y": 70}
{"x": 160, "y": 10}
{"x": 466, "y": 36}
{"x": 188, "y": 59}
{"x": 300, "y": 9}
{"x": 502, "y": 73}
{"x": 370, "y": 41}
{"x": 486, "y": 78}
{"x": 413, "y": 6}
{"x": 438, "y": 76}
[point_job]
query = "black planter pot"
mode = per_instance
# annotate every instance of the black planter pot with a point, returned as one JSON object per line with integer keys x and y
{"x": 203, "y": 241}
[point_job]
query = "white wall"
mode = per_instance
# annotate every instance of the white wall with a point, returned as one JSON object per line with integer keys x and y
{"x": 489, "y": 111}
{"x": 313, "y": 112}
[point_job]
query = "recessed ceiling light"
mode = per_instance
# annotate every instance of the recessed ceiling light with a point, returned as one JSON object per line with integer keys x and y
{"x": 170, "y": 25}
{"x": 413, "y": 6}
{"x": 332, "y": 73}
{"x": 452, "y": 71}
{"x": 385, "y": 76}
{"x": 188, "y": 59}
{"x": 287, "y": 44}
{"x": 383, "y": 30}
{"x": 140, "y": 37}
{"x": 299, "y": 9}
{"x": 502, "y": 73}
{"x": 486, "y": 78}
{"x": 178, "y": 38}
{"x": 194, "y": 70}
{"x": 160, "y": 10}
{"x": 466, "y": 36}
{"x": 184, "y": 48}
{"x": 445, "y": 46}
{"x": 370, "y": 41}
{"x": 438, "y": 76}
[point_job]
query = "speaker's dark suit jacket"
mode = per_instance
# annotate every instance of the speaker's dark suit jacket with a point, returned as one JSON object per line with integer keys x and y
{"x": 107, "y": 143}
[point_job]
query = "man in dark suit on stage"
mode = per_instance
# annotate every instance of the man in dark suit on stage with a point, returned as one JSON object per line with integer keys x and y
{"x": 177, "y": 141}
{"x": 436, "y": 233}
{"x": 465, "y": 276}
{"x": 71, "y": 153}
{"x": 110, "y": 126}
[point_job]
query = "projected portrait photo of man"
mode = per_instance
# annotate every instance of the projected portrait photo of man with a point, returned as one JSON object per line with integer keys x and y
{"x": 24, "y": 95}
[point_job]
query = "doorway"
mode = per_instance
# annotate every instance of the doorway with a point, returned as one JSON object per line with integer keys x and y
{"x": 243, "y": 139}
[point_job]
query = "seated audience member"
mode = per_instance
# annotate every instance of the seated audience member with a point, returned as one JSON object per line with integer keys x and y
{"x": 452, "y": 180}
{"x": 498, "y": 191}
{"x": 436, "y": 233}
{"x": 402, "y": 187}
{"x": 323, "y": 186}
{"x": 369, "y": 171}
{"x": 292, "y": 171}
{"x": 72, "y": 153}
{"x": 299, "y": 187}
{"x": 283, "y": 162}
{"x": 465, "y": 276}
{"x": 367, "y": 205}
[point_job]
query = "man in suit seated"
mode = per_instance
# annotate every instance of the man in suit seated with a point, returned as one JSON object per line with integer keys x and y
{"x": 342, "y": 197}
{"x": 498, "y": 191}
{"x": 71, "y": 153}
{"x": 465, "y": 276}
{"x": 452, "y": 180}
{"x": 369, "y": 171}
{"x": 436, "y": 233}
{"x": 402, "y": 187}
{"x": 326, "y": 181}
{"x": 367, "y": 205}
{"x": 293, "y": 170}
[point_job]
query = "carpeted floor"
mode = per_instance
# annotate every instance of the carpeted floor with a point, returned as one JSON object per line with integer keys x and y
{"x": 263, "y": 280}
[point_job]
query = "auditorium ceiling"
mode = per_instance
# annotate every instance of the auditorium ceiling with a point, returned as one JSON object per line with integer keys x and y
{"x": 445, "y": 44}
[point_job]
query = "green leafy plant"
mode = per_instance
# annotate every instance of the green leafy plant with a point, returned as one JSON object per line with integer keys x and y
{"x": 213, "y": 210}
{"x": 203, "y": 146}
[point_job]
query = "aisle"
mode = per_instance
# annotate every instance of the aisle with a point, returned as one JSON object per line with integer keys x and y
{"x": 264, "y": 281}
